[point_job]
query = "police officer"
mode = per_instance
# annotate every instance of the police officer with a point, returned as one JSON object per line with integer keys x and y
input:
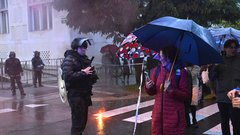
{"x": 14, "y": 70}
{"x": 38, "y": 66}
{"x": 79, "y": 76}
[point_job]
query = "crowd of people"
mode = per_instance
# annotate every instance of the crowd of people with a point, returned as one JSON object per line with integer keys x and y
{"x": 178, "y": 87}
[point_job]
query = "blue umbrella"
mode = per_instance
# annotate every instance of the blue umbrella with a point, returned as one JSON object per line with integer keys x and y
{"x": 222, "y": 34}
{"x": 195, "y": 43}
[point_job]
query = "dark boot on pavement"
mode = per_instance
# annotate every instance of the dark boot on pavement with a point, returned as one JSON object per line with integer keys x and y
{"x": 195, "y": 123}
{"x": 14, "y": 92}
{"x": 22, "y": 93}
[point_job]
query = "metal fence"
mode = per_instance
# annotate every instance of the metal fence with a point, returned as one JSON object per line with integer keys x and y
{"x": 49, "y": 72}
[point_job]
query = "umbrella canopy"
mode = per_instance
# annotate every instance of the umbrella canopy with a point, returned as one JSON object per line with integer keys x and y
{"x": 109, "y": 48}
{"x": 134, "y": 50}
{"x": 129, "y": 39}
{"x": 130, "y": 48}
{"x": 222, "y": 34}
{"x": 195, "y": 43}
{"x": 225, "y": 31}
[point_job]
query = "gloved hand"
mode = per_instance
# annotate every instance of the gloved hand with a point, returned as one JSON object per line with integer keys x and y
{"x": 94, "y": 78}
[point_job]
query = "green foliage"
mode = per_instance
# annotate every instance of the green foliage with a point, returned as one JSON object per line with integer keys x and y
{"x": 204, "y": 12}
{"x": 119, "y": 17}
{"x": 109, "y": 17}
{"x": 228, "y": 24}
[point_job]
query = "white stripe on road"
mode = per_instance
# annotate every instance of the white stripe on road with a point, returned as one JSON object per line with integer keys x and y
{"x": 125, "y": 109}
{"x": 35, "y": 105}
{"x": 217, "y": 130}
{"x": 206, "y": 111}
{"x": 200, "y": 114}
{"x": 141, "y": 118}
{"x": 7, "y": 110}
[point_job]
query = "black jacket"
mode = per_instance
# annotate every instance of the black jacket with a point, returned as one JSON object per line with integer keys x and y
{"x": 78, "y": 83}
{"x": 37, "y": 64}
{"x": 227, "y": 77}
{"x": 13, "y": 66}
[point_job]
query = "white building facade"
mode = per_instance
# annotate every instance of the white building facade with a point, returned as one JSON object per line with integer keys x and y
{"x": 29, "y": 25}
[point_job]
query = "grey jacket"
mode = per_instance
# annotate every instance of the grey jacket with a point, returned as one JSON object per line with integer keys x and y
{"x": 227, "y": 77}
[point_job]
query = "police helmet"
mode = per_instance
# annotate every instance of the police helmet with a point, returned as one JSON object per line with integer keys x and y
{"x": 12, "y": 54}
{"x": 36, "y": 53}
{"x": 80, "y": 42}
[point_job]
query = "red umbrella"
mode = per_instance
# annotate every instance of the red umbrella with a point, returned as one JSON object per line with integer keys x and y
{"x": 131, "y": 49}
{"x": 134, "y": 50}
{"x": 129, "y": 39}
{"x": 109, "y": 48}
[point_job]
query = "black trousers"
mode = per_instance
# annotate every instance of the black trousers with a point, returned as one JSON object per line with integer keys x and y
{"x": 190, "y": 109}
{"x": 79, "y": 110}
{"x": 227, "y": 112}
{"x": 16, "y": 79}
{"x": 37, "y": 77}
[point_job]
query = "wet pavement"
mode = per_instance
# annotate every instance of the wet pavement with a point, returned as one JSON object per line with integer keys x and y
{"x": 41, "y": 112}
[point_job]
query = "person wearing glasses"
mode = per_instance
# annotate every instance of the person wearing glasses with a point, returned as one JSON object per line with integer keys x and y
{"x": 226, "y": 76}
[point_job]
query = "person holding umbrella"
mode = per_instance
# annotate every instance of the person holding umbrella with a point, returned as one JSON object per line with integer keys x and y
{"x": 227, "y": 77}
{"x": 169, "y": 83}
{"x": 194, "y": 45}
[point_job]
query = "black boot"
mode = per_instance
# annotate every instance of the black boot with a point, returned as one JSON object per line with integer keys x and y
{"x": 195, "y": 123}
{"x": 14, "y": 92}
{"x": 22, "y": 92}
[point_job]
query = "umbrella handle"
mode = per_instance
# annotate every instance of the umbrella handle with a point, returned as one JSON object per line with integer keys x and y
{"x": 175, "y": 58}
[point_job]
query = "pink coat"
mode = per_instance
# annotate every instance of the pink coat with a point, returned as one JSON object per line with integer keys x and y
{"x": 169, "y": 105}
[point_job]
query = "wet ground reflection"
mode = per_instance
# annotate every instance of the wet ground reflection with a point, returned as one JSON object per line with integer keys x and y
{"x": 18, "y": 104}
{"x": 100, "y": 121}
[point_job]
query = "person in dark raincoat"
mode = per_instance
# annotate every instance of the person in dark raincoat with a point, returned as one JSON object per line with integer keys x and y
{"x": 227, "y": 77}
{"x": 38, "y": 66}
{"x": 14, "y": 70}
{"x": 79, "y": 77}
{"x": 168, "y": 116}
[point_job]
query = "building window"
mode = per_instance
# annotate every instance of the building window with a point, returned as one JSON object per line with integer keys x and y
{"x": 40, "y": 17}
{"x": 4, "y": 28}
